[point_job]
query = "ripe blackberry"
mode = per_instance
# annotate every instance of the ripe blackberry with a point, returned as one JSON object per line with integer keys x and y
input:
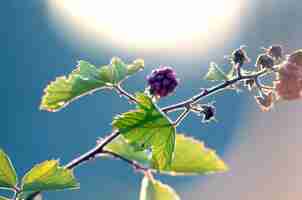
{"x": 162, "y": 81}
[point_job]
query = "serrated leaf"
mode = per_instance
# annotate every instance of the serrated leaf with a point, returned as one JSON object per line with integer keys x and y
{"x": 3, "y": 198}
{"x": 8, "y": 175}
{"x": 215, "y": 73}
{"x": 192, "y": 157}
{"x": 86, "y": 79}
{"x": 154, "y": 190}
{"x": 147, "y": 127}
{"x": 121, "y": 147}
{"x": 49, "y": 176}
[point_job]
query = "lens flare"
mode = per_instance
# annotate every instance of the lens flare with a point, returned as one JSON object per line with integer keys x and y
{"x": 144, "y": 24}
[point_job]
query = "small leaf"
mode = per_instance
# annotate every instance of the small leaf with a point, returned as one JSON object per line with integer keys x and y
{"x": 136, "y": 66}
{"x": 86, "y": 79}
{"x": 192, "y": 157}
{"x": 121, "y": 147}
{"x": 8, "y": 175}
{"x": 215, "y": 73}
{"x": 59, "y": 93}
{"x": 49, "y": 176}
{"x": 147, "y": 127}
{"x": 154, "y": 190}
{"x": 3, "y": 198}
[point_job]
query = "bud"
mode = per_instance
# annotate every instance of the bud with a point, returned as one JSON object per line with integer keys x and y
{"x": 265, "y": 101}
{"x": 250, "y": 84}
{"x": 264, "y": 61}
{"x": 289, "y": 83}
{"x": 208, "y": 112}
{"x": 136, "y": 66}
{"x": 239, "y": 56}
{"x": 162, "y": 81}
{"x": 275, "y": 51}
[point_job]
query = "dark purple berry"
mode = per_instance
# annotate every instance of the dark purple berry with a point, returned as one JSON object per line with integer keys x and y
{"x": 239, "y": 56}
{"x": 208, "y": 112}
{"x": 162, "y": 81}
{"x": 264, "y": 61}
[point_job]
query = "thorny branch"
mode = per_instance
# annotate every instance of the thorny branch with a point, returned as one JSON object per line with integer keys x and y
{"x": 186, "y": 104}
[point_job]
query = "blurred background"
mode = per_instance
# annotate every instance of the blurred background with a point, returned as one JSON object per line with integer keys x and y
{"x": 44, "y": 39}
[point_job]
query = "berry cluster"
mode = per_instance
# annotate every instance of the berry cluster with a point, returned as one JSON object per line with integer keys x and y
{"x": 289, "y": 83}
{"x": 162, "y": 81}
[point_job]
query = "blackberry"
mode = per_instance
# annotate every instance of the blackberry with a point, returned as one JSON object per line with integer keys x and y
{"x": 208, "y": 112}
{"x": 162, "y": 81}
{"x": 239, "y": 56}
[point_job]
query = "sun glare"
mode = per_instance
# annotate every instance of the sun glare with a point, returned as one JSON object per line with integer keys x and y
{"x": 150, "y": 24}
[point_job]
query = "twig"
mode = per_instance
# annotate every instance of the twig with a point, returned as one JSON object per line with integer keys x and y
{"x": 86, "y": 156}
{"x": 182, "y": 116}
{"x": 93, "y": 152}
{"x": 133, "y": 163}
{"x": 17, "y": 190}
{"x": 210, "y": 91}
{"x": 124, "y": 93}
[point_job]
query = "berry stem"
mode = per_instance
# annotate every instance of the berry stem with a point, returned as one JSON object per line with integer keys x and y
{"x": 182, "y": 116}
{"x": 261, "y": 86}
{"x": 124, "y": 93}
{"x": 238, "y": 69}
{"x": 16, "y": 190}
{"x": 211, "y": 91}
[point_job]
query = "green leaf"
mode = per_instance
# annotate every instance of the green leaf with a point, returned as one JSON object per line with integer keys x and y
{"x": 86, "y": 79}
{"x": 3, "y": 198}
{"x": 147, "y": 127}
{"x": 232, "y": 73}
{"x": 154, "y": 190}
{"x": 136, "y": 66}
{"x": 49, "y": 176}
{"x": 192, "y": 157}
{"x": 121, "y": 147}
{"x": 215, "y": 73}
{"x": 8, "y": 175}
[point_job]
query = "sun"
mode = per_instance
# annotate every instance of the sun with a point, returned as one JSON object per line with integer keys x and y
{"x": 150, "y": 24}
